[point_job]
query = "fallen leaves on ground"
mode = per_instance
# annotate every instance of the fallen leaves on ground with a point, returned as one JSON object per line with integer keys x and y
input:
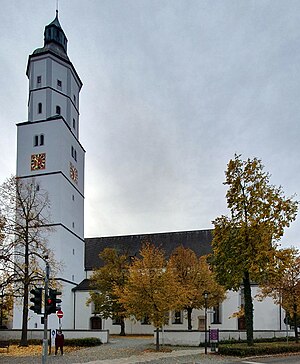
{"x": 31, "y": 350}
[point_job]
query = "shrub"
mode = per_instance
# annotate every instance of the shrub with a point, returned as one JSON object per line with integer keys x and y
{"x": 258, "y": 349}
{"x": 88, "y": 341}
{"x": 84, "y": 342}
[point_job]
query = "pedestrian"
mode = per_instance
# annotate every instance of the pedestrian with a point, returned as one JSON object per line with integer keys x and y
{"x": 59, "y": 342}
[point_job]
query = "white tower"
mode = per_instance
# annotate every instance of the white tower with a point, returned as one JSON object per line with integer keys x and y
{"x": 48, "y": 148}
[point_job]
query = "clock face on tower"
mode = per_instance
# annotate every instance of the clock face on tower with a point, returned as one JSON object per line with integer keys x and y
{"x": 73, "y": 173}
{"x": 38, "y": 161}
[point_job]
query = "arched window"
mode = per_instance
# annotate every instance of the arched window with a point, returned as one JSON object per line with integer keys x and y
{"x": 58, "y": 110}
{"x": 40, "y": 108}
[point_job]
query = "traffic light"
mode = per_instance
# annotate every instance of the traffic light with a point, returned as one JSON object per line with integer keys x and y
{"x": 52, "y": 301}
{"x": 37, "y": 300}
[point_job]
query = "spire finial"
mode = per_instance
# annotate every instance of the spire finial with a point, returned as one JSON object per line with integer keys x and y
{"x": 57, "y": 8}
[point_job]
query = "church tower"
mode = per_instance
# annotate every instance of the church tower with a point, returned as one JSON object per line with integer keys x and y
{"x": 48, "y": 148}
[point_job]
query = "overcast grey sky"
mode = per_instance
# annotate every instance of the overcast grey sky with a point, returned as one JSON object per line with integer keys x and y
{"x": 172, "y": 89}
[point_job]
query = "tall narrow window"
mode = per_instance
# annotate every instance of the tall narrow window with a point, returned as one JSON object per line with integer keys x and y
{"x": 74, "y": 123}
{"x": 36, "y": 140}
{"x": 217, "y": 314}
{"x": 39, "y": 81}
{"x": 59, "y": 84}
{"x": 74, "y": 153}
{"x": 58, "y": 110}
{"x": 42, "y": 139}
{"x": 74, "y": 98}
{"x": 40, "y": 108}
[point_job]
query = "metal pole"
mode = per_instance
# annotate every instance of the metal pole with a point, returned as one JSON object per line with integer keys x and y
{"x": 205, "y": 325}
{"x": 45, "y": 339}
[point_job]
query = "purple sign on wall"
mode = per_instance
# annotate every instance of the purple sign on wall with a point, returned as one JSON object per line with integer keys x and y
{"x": 214, "y": 335}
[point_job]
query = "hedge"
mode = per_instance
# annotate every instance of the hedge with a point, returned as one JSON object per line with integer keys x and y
{"x": 85, "y": 342}
{"x": 258, "y": 349}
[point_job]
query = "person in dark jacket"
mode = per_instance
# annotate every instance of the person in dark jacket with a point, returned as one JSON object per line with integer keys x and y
{"x": 59, "y": 342}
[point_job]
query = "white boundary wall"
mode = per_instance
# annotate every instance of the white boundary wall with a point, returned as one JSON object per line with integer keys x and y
{"x": 194, "y": 337}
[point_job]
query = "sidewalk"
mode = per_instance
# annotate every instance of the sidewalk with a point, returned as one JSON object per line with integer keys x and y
{"x": 126, "y": 350}
{"x": 148, "y": 357}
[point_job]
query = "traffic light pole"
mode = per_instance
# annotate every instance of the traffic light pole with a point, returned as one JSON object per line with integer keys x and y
{"x": 45, "y": 339}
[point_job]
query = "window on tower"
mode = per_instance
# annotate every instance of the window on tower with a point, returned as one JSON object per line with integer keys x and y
{"x": 38, "y": 140}
{"x": 39, "y": 81}
{"x": 74, "y": 153}
{"x": 74, "y": 123}
{"x": 40, "y": 107}
{"x": 59, "y": 84}
{"x": 58, "y": 110}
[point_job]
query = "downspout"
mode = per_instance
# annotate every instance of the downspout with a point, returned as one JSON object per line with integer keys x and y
{"x": 74, "y": 311}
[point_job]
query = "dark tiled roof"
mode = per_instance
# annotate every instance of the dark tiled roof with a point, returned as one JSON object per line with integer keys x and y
{"x": 197, "y": 240}
{"x": 82, "y": 286}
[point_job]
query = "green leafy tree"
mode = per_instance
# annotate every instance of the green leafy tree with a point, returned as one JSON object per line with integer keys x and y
{"x": 196, "y": 277}
{"x": 152, "y": 289}
{"x": 25, "y": 208}
{"x": 284, "y": 285}
{"x": 245, "y": 242}
{"x": 105, "y": 281}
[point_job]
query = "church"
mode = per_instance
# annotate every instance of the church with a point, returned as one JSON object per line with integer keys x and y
{"x": 49, "y": 150}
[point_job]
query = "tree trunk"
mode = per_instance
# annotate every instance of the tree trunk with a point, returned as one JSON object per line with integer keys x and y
{"x": 157, "y": 339}
{"x": 24, "y": 341}
{"x": 122, "y": 324}
{"x": 189, "y": 317}
{"x": 248, "y": 308}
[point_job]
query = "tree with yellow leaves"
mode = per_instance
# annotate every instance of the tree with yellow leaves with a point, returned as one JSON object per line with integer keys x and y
{"x": 284, "y": 285}
{"x": 152, "y": 288}
{"x": 245, "y": 242}
{"x": 105, "y": 281}
{"x": 196, "y": 277}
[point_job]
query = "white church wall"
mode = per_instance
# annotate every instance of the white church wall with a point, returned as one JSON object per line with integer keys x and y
{"x": 267, "y": 314}
{"x": 83, "y": 312}
{"x": 266, "y": 317}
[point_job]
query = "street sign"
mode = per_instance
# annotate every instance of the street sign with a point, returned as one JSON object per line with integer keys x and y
{"x": 59, "y": 314}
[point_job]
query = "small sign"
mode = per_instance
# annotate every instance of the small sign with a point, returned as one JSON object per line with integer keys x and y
{"x": 214, "y": 335}
{"x": 60, "y": 314}
{"x": 53, "y": 334}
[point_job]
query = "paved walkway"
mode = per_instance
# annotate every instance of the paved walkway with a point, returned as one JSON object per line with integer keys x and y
{"x": 126, "y": 350}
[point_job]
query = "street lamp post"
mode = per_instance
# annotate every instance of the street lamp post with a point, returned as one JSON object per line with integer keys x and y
{"x": 205, "y": 294}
